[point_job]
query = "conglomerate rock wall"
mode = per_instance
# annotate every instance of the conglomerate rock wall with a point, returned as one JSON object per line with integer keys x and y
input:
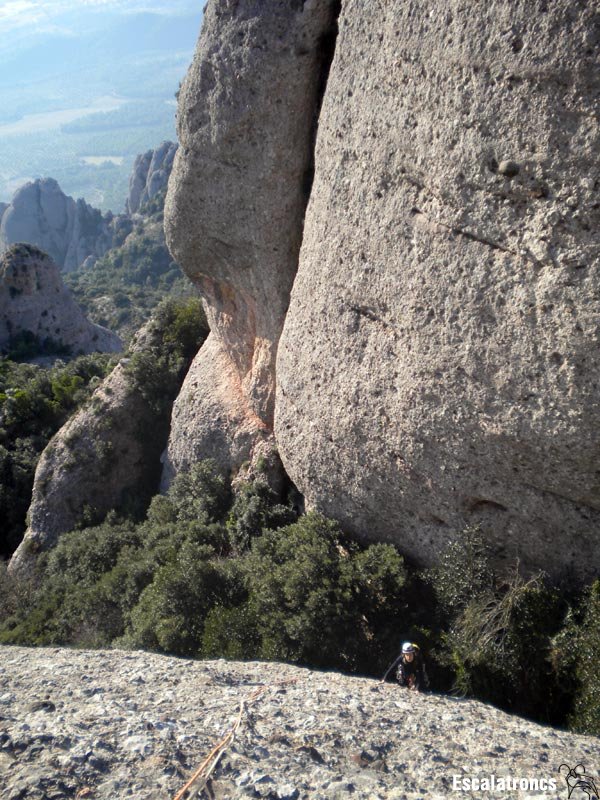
{"x": 439, "y": 362}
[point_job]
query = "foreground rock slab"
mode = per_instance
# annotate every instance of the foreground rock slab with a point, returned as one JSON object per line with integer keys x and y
{"x": 112, "y": 724}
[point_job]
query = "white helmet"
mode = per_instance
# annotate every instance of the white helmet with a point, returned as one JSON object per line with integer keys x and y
{"x": 408, "y": 647}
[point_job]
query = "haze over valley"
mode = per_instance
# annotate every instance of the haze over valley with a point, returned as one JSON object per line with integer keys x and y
{"x": 82, "y": 92}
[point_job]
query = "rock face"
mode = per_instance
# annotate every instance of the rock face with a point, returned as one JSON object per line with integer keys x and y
{"x": 439, "y": 361}
{"x": 34, "y": 299}
{"x": 103, "y": 458}
{"x": 69, "y": 231}
{"x": 150, "y": 175}
{"x": 234, "y": 210}
{"x": 112, "y": 724}
{"x": 210, "y": 420}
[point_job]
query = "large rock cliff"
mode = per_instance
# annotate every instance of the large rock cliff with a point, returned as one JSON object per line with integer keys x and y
{"x": 439, "y": 360}
{"x": 440, "y": 354}
{"x": 34, "y": 300}
{"x": 70, "y": 231}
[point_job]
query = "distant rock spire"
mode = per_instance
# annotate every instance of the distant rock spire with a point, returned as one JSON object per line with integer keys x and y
{"x": 69, "y": 230}
{"x": 150, "y": 176}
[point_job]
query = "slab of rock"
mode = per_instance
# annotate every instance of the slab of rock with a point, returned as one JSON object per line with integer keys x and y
{"x": 150, "y": 175}
{"x": 34, "y": 299}
{"x": 235, "y": 205}
{"x": 114, "y": 724}
{"x": 439, "y": 361}
{"x": 69, "y": 231}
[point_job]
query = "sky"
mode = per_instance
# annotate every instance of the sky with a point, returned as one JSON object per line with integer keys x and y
{"x": 41, "y": 16}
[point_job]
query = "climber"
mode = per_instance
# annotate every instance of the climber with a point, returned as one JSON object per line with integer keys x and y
{"x": 411, "y": 668}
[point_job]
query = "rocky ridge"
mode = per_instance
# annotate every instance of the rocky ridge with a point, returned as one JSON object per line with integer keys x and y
{"x": 70, "y": 231}
{"x": 113, "y": 724}
{"x": 103, "y": 457}
{"x": 34, "y": 299}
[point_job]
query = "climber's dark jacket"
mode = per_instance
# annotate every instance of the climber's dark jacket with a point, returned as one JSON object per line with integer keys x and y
{"x": 412, "y": 673}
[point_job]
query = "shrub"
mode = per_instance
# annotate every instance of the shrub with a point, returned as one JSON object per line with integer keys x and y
{"x": 311, "y": 587}
{"x": 26, "y": 344}
{"x": 500, "y": 646}
{"x": 254, "y": 510}
{"x": 177, "y": 330}
{"x": 170, "y": 614}
{"x": 16, "y": 595}
{"x": 232, "y": 632}
{"x": 464, "y": 571}
{"x": 201, "y": 494}
{"x": 496, "y": 635}
{"x": 585, "y": 640}
{"x": 34, "y": 403}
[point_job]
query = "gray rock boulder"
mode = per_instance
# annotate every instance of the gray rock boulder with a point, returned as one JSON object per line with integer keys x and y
{"x": 234, "y": 210}
{"x": 93, "y": 461}
{"x": 69, "y": 231}
{"x": 150, "y": 175}
{"x": 439, "y": 361}
{"x": 34, "y": 299}
{"x": 212, "y": 417}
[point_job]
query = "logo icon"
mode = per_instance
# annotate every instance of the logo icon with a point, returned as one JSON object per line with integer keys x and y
{"x": 579, "y": 784}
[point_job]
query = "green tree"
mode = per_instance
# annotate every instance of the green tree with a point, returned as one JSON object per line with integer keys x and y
{"x": 311, "y": 587}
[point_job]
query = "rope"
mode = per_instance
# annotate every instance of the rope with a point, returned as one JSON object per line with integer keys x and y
{"x": 212, "y": 759}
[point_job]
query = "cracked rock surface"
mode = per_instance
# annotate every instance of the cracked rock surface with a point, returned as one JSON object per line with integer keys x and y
{"x": 439, "y": 361}
{"x": 114, "y": 724}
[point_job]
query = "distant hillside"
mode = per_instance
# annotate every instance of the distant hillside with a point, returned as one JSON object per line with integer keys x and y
{"x": 121, "y": 267}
